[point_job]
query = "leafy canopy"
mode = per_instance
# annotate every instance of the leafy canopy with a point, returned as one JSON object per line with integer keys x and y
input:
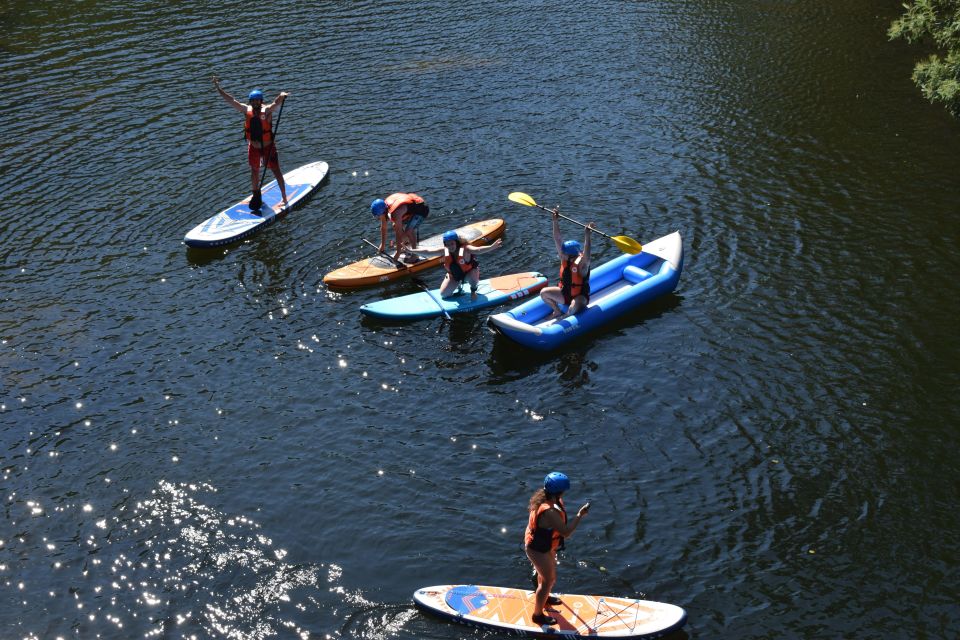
{"x": 935, "y": 23}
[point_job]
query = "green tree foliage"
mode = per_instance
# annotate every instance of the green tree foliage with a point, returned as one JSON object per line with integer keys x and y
{"x": 936, "y": 24}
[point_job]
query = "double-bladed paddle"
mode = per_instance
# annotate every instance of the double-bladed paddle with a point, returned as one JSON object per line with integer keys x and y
{"x": 625, "y": 244}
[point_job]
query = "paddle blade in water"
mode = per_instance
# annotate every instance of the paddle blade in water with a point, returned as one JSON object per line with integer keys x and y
{"x": 522, "y": 198}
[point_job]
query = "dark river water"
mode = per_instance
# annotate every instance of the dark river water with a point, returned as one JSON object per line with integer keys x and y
{"x": 210, "y": 444}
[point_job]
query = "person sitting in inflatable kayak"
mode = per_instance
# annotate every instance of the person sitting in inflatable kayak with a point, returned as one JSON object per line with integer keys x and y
{"x": 405, "y": 211}
{"x": 573, "y": 289}
{"x": 460, "y": 262}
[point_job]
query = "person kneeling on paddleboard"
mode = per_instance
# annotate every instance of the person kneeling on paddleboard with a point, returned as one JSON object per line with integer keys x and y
{"x": 405, "y": 211}
{"x": 460, "y": 263}
{"x": 574, "y": 285}
{"x": 547, "y": 527}
{"x": 258, "y": 131}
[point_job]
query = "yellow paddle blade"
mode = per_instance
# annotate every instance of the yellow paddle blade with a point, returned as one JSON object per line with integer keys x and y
{"x": 522, "y": 198}
{"x": 627, "y": 245}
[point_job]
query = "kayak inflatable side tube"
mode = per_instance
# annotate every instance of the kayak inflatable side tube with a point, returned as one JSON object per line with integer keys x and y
{"x": 504, "y": 320}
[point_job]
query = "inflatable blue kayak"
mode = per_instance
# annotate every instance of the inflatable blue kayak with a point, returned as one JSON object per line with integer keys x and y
{"x": 429, "y": 304}
{"x": 616, "y": 287}
{"x": 238, "y": 222}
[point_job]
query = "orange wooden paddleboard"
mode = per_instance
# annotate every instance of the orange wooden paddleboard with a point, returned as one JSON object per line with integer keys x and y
{"x": 380, "y": 269}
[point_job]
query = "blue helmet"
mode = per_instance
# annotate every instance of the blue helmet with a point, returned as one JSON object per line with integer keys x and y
{"x": 556, "y": 482}
{"x": 451, "y": 236}
{"x": 378, "y": 207}
{"x": 572, "y": 248}
{"x": 256, "y": 94}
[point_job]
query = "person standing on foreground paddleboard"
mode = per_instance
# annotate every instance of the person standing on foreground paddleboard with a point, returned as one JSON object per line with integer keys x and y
{"x": 574, "y": 286}
{"x": 405, "y": 211}
{"x": 547, "y": 527}
{"x": 258, "y": 131}
{"x": 460, "y": 263}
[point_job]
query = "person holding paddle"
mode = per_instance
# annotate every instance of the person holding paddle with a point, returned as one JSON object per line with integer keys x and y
{"x": 574, "y": 285}
{"x": 405, "y": 212}
{"x": 258, "y": 131}
{"x": 460, "y": 263}
{"x": 547, "y": 527}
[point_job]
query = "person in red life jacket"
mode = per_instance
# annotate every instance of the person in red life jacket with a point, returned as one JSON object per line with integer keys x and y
{"x": 573, "y": 289}
{"x": 405, "y": 212}
{"x": 460, "y": 263}
{"x": 547, "y": 527}
{"x": 258, "y": 131}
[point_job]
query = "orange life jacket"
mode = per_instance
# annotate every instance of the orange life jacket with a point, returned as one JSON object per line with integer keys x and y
{"x": 397, "y": 200}
{"x": 573, "y": 281}
{"x": 458, "y": 267}
{"x": 264, "y": 125}
{"x": 539, "y": 538}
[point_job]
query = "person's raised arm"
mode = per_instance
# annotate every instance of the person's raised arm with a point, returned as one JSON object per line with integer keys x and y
{"x": 586, "y": 246}
{"x": 557, "y": 240}
{"x": 276, "y": 103}
{"x": 229, "y": 99}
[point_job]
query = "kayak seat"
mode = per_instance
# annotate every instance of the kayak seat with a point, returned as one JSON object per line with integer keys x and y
{"x": 636, "y": 275}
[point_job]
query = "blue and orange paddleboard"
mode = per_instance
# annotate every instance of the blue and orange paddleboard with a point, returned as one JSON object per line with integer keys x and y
{"x": 510, "y": 611}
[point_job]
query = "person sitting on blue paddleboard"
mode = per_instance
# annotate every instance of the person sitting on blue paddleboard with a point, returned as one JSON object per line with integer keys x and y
{"x": 460, "y": 263}
{"x": 547, "y": 527}
{"x": 573, "y": 289}
{"x": 405, "y": 212}
{"x": 258, "y": 131}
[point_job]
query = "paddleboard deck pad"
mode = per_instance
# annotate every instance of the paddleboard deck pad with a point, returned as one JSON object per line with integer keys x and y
{"x": 380, "y": 269}
{"x": 238, "y": 222}
{"x": 429, "y": 304}
{"x": 510, "y": 611}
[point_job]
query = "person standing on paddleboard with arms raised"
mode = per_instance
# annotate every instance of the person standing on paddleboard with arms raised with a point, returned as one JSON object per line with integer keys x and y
{"x": 547, "y": 527}
{"x": 574, "y": 286}
{"x": 405, "y": 211}
{"x": 258, "y": 131}
{"x": 460, "y": 263}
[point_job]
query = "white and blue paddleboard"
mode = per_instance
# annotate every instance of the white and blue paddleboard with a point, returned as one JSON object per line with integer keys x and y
{"x": 428, "y": 304}
{"x": 238, "y": 222}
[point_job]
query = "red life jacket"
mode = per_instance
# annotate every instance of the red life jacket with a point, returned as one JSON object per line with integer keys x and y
{"x": 265, "y": 126}
{"x": 458, "y": 268}
{"x": 539, "y": 538}
{"x": 573, "y": 281}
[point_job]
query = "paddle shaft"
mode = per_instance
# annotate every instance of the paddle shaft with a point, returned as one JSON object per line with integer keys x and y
{"x": 273, "y": 140}
{"x": 415, "y": 279}
{"x": 557, "y": 213}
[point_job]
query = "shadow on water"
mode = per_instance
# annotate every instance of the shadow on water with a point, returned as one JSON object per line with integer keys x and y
{"x": 466, "y": 331}
{"x": 203, "y": 256}
{"x": 511, "y": 361}
{"x": 264, "y": 246}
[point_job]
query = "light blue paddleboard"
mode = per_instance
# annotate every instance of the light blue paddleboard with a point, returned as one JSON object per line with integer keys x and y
{"x": 238, "y": 222}
{"x": 428, "y": 304}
